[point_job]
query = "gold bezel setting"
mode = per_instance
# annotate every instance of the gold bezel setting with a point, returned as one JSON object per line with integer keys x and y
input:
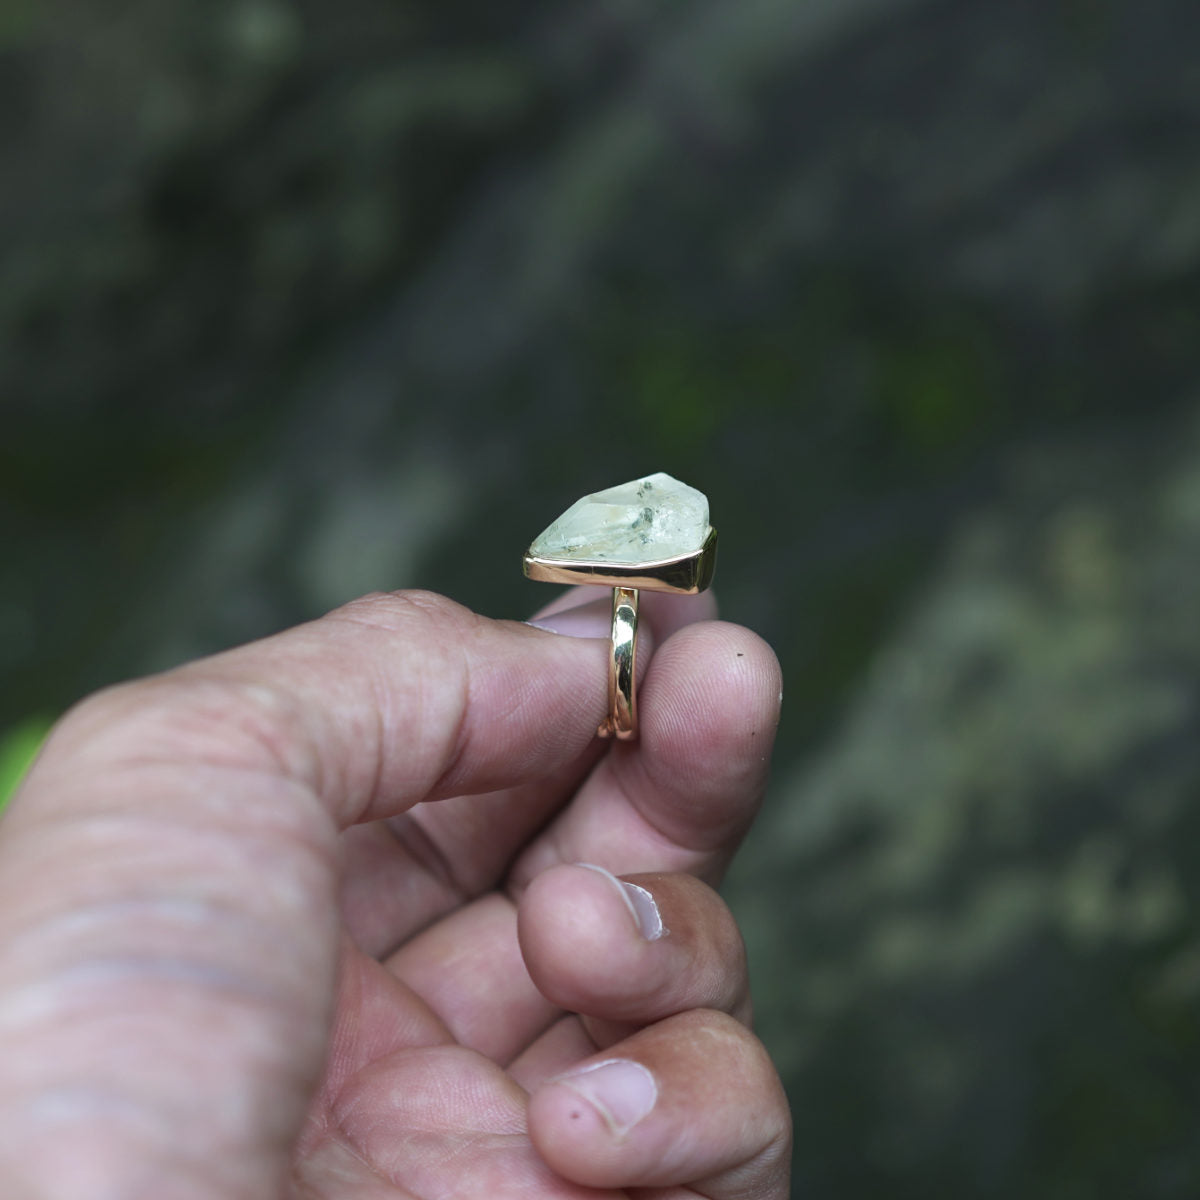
{"x": 685, "y": 575}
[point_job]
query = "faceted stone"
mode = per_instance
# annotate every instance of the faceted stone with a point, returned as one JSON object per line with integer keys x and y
{"x": 645, "y": 520}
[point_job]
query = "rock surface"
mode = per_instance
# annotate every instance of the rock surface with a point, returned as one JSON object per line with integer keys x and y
{"x": 300, "y": 300}
{"x": 973, "y": 912}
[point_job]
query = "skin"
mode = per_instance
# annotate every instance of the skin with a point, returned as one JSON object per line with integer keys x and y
{"x": 307, "y": 920}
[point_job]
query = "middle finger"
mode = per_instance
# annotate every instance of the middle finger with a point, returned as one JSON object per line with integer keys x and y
{"x": 581, "y": 942}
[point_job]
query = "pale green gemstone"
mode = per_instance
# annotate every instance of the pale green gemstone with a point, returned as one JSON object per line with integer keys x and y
{"x": 645, "y": 520}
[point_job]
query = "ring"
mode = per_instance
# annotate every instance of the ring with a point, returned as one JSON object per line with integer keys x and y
{"x": 650, "y": 534}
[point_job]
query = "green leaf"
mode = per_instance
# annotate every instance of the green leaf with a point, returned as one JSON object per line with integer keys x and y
{"x": 18, "y": 747}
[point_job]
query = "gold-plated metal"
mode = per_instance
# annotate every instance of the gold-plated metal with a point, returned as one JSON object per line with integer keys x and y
{"x": 621, "y": 721}
{"x": 686, "y": 575}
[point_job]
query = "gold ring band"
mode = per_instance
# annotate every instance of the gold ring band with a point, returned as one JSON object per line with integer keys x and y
{"x": 621, "y": 721}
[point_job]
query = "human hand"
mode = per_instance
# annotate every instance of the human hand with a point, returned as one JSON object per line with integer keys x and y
{"x": 301, "y": 920}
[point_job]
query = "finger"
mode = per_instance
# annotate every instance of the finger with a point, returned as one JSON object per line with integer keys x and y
{"x": 403, "y": 874}
{"x": 682, "y": 795}
{"x": 623, "y": 952}
{"x": 702, "y": 768}
{"x": 387, "y": 701}
{"x": 438, "y": 1121}
{"x": 468, "y": 969}
{"x": 627, "y": 952}
{"x": 168, "y": 877}
{"x": 565, "y": 1043}
{"x": 691, "y": 1100}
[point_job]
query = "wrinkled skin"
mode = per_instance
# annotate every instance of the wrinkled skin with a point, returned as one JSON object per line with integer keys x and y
{"x": 306, "y": 920}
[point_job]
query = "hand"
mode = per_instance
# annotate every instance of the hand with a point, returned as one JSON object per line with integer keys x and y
{"x": 302, "y": 920}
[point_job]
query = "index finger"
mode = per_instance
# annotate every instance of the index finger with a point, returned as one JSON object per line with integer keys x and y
{"x": 387, "y": 701}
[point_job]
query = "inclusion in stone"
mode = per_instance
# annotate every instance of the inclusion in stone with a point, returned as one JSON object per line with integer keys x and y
{"x": 646, "y": 520}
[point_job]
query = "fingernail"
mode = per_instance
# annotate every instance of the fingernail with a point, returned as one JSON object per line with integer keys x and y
{"x": 620, "y": 1090}
{"x": 639, "y": 901}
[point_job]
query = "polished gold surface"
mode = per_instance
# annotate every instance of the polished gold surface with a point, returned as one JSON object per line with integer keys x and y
{"x": 685, "y": 575}
{"x": 621, "y": 721}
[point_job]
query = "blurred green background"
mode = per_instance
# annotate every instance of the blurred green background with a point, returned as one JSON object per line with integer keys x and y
{"x": 299, "y": 300}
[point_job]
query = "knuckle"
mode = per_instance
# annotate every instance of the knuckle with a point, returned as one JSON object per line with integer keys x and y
{"x": 399, "y": 611}
{"x": 188, "y": 715}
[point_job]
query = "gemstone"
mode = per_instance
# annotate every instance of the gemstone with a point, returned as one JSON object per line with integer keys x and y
{"x": 646, "y": 520}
